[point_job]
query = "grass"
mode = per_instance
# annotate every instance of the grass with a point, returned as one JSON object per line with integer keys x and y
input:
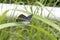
{"x": 39, "y": 28}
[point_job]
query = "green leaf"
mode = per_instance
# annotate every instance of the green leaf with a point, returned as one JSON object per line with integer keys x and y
{"x": 45, "y": 32}
{"x": 2, "y": 26}
{"x": 49, "y": 22}
{"x": 3, "y": 16}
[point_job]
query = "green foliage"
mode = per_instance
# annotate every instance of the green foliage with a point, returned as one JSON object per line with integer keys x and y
{"x": 2, "y": 18}
{"x": 39, "y": 28}
{"x": 31, "y": 2}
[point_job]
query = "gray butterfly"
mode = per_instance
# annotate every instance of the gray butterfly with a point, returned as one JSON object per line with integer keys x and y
{"x": 23, "y": 19}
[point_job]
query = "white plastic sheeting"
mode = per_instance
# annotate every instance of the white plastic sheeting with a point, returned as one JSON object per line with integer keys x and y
{"x": 54, "y": 11}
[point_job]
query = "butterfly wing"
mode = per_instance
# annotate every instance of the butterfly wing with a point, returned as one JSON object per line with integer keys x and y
{"x": 27, "y": 21}
{"x": 29, "y": 17}
{"x": 24, "y": 18}
{"x": 21, "y": 18}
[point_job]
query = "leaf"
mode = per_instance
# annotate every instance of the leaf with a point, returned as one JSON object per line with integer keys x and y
{"x": 49, "y": 22}
{"x": 45, "y": 32}
{"x": 8, "y": 25}
{"x": 2, "y": 18}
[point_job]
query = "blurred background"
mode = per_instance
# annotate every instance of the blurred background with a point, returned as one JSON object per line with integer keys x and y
{"x": 31, "y": 2}
{"x": 39, "y": 28}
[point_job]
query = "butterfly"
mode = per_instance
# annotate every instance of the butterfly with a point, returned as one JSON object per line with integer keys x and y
{"x": 23, "y": 19}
